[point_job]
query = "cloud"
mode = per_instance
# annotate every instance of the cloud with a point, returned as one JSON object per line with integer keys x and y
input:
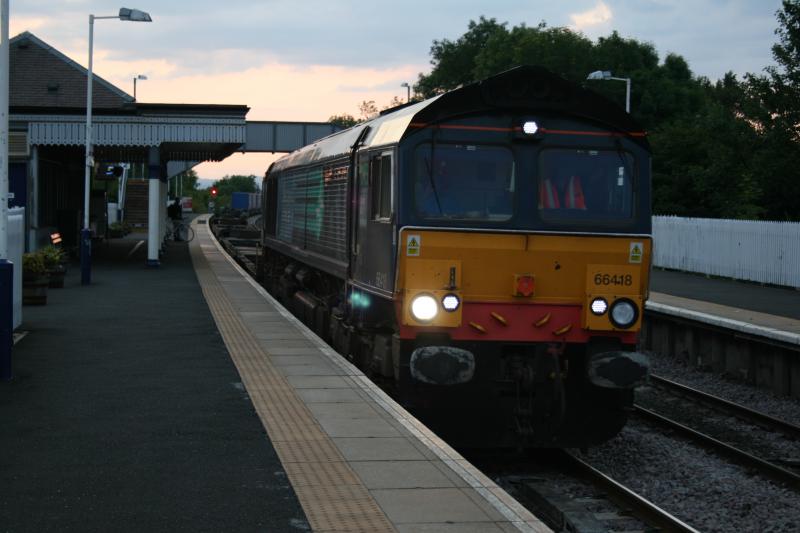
{"x": 273, "y": 90}
{"x": 599, "y": 15}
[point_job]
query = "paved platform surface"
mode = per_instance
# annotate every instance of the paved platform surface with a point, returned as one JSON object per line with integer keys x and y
{"x": 183, "y": 399}
{"x": 127, "y": 413}
{"x": 770, "y": 312}
{"x": 769, "y": 300}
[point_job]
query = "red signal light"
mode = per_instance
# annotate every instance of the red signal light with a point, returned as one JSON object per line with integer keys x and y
{"x": 214, "y": 192}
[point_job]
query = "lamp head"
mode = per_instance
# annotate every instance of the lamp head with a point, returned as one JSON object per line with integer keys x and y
{"x": 599, "y": 75}
{"x": 141, "y": 77}
{"x": 134, "y": 15}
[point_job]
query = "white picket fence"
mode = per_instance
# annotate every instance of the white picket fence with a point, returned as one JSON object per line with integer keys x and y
{"x": 767, "y": 252}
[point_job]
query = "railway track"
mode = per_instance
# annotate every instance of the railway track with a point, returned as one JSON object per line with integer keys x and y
{"x": 571, "y": 495}
{"x": 740, "y": 411}
{"x": 754, "y": 458}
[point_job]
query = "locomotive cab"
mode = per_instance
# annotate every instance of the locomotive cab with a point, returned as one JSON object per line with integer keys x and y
{"x": 523, "y": 261}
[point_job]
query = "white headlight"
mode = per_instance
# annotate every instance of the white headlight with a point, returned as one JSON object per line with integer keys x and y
{"x": 599, "y": 306}
{"x": 530, "y": 128}
{"x": 424, "y": 307}
{"x": 624, "y": 313}
{"x": 450, "y": 302}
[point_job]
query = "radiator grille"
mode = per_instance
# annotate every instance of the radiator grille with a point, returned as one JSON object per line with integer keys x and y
{"x": 312, "y": 210}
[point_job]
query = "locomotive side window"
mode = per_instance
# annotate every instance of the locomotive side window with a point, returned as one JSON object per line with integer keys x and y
{"x": 585, "y": 184}
{"x": 380, "y": 179}
{"x": 464, "y": 181}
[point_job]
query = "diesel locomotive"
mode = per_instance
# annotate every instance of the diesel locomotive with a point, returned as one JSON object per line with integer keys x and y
{"x": 484, "y": 253}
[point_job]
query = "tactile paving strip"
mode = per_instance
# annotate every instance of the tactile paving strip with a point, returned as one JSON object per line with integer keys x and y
{"x": 332, "y": 496}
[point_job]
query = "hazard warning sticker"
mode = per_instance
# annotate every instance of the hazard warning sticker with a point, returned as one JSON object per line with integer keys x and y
{"x": 637, "y": 250}
{"x": 413, "y": 244}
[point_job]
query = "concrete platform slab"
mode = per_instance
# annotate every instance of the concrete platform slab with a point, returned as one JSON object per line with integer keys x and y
{"x": 401, "y": 475}
{"x": 429, "y": 505}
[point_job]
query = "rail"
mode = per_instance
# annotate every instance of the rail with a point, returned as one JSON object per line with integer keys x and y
{"x": 766, "y": 468}
{"x": 745, "y": 413}
{"x": 622, "y": 495}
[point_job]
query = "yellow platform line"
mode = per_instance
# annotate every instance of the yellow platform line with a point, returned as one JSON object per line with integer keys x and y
{"x": 331, "y": 494}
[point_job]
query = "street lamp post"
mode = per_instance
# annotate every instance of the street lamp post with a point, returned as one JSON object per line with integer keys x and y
{"x": 138, "y": 77}
{"x": 131, "y": 15}
{"x": 606, "y": 75}
{"x": 408, "y": 90}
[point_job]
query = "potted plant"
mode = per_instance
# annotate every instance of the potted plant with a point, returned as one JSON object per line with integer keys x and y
{"x": 53, "y": 258}
{"x": 34, "y": 279}
{"x": 116, "y": 230}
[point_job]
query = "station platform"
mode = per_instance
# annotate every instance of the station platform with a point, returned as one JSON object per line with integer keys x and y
{"x": 184, "y": 398}
{"x": 772, "y": 312}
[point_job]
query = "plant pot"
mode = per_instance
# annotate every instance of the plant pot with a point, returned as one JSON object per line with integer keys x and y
{"x": 57, "y": 277}
{"x": 34, "y": 289}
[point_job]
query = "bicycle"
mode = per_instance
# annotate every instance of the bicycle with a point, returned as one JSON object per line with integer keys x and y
{"x": 180, "y": 232}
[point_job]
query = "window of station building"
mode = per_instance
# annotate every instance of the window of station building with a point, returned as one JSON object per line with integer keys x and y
{"x": 380, "y": 178}
{"x": 580, "y": 184}
{"x": 464, "y": 182}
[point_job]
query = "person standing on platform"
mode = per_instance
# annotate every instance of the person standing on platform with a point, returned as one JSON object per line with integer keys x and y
{"x": 175, "y": 214}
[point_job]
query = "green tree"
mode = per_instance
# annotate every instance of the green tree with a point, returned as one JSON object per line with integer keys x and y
{"x": 343, "y": 121}
{"x": 236, "y": 183}
{"x": 367, "y": 110}
{"x": 225, "y": 189}
{"x": 185, "y": 182}
{"x": 704, "y": 166}
{"x": 394, "y": 102}
{"x": 454, "y": 61}
{"x": 772, "y": 104}
{"x": 560, "y": 50}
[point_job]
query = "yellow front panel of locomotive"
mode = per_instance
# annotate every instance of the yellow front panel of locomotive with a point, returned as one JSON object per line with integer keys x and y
{"x": 558, "y": 263}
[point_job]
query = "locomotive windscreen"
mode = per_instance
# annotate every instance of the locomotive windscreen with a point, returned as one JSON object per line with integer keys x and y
{"x": 580, "y": 184}
{"x": 464, "y": 181}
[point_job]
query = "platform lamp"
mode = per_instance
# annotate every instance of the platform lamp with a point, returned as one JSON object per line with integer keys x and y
{"x": 138, "y": 77}
{"x": 408, "y": 90}
{"x": 606, "y": 75}
{"x": 130, "y": 15}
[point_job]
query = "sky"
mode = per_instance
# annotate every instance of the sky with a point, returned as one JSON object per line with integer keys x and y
{"x": 305, "y": 60}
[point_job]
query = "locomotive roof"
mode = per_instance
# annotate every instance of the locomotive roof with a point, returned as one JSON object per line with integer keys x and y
{"x": 525, "y": 89}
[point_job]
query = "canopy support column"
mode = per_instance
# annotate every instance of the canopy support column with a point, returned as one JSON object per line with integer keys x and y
{"x": 153, "y": 206}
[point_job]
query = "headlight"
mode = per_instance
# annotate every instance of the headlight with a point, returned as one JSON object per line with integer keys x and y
{"x": 530, "y": 127}
{"x": 450, "y": 302}
{"x": 424, "y": 307}
{"x": 599, "y": 306}
{"x": 624, "y": 313}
